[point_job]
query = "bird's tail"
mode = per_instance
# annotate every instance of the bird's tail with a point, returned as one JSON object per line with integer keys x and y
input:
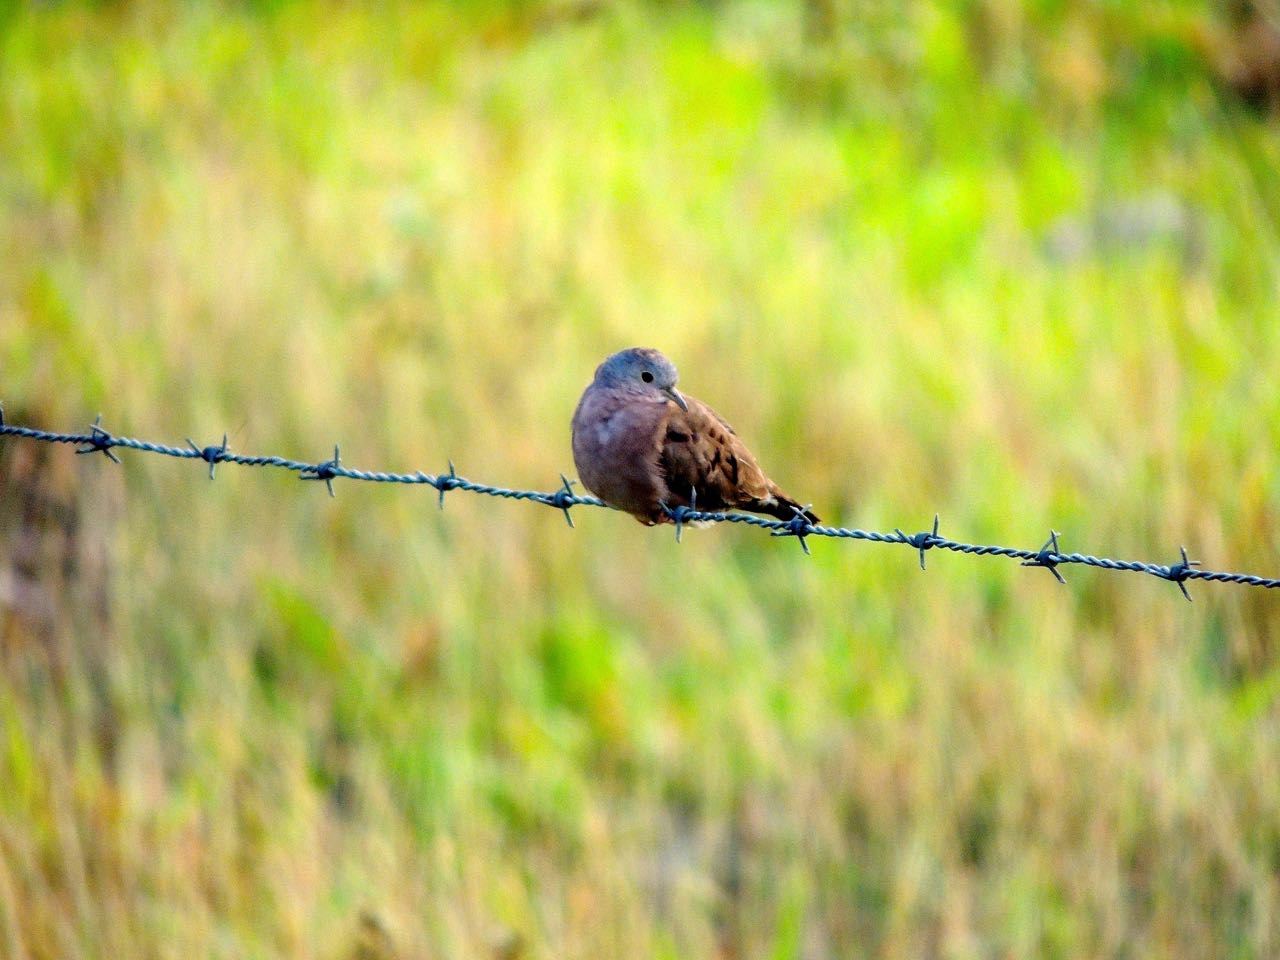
{"x": 781, "y": 506}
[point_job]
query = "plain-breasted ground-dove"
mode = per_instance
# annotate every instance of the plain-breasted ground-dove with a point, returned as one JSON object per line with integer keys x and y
{"x": 639, "y": 443}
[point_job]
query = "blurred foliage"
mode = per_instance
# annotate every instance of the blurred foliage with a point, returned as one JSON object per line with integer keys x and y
{"x": 1013, "y": 262}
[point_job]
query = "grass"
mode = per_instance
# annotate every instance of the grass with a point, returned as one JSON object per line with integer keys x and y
{"x": 261, "y": 723}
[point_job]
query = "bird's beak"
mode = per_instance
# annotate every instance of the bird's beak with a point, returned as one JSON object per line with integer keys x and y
{"x": 678, "y": 397}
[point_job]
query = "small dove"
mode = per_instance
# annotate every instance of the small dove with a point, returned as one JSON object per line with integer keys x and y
{"x": 639, "y": 443}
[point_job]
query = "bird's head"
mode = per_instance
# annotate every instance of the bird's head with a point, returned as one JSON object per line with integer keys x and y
{"x": 641, "y": 369}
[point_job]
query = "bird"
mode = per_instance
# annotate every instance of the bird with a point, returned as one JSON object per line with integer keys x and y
{"x": 645, "y": 448}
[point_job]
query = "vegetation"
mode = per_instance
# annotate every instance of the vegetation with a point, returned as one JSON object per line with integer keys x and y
{"x": 1014, "y": 263}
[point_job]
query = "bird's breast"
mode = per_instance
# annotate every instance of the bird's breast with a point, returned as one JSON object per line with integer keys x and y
{"x": 615, "y": 449}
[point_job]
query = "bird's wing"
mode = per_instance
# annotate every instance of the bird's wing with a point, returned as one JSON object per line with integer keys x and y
{"x": 701, "y": 453}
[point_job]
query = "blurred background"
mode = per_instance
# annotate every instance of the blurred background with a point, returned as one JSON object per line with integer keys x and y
{"x": 1014, "y": 262}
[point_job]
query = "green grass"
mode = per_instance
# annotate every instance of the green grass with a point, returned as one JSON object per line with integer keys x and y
{"x": 264, "y": 723}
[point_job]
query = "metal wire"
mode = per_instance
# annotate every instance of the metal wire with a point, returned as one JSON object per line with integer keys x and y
{"x": 1049, "y": 556}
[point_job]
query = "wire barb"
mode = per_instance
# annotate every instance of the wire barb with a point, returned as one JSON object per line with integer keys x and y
{"x": 99, "y": 441}
{"x": 798, "y": 526}
{"x": 325, "y": 471}
{"x": 1180, "y": 572}
{"x": 563, "y": 498}
{"x": 680, "y": 514}
{"x": 446, "y": 482}
{"x": 922, "y": 541}
{"x": 210, "y": 455}
{"x": 1048, "y": 557}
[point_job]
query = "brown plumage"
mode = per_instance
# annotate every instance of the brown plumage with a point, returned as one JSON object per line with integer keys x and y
{"x": 639, "y": 443}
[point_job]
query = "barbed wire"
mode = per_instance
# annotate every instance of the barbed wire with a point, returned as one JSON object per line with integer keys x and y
{"x": 1049, "y": 556}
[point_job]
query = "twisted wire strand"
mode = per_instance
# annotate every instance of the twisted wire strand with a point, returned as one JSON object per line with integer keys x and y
{"x": 1049, "y": 556}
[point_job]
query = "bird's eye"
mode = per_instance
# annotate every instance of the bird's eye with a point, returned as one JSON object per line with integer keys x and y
{"x": 647, "y": 377}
